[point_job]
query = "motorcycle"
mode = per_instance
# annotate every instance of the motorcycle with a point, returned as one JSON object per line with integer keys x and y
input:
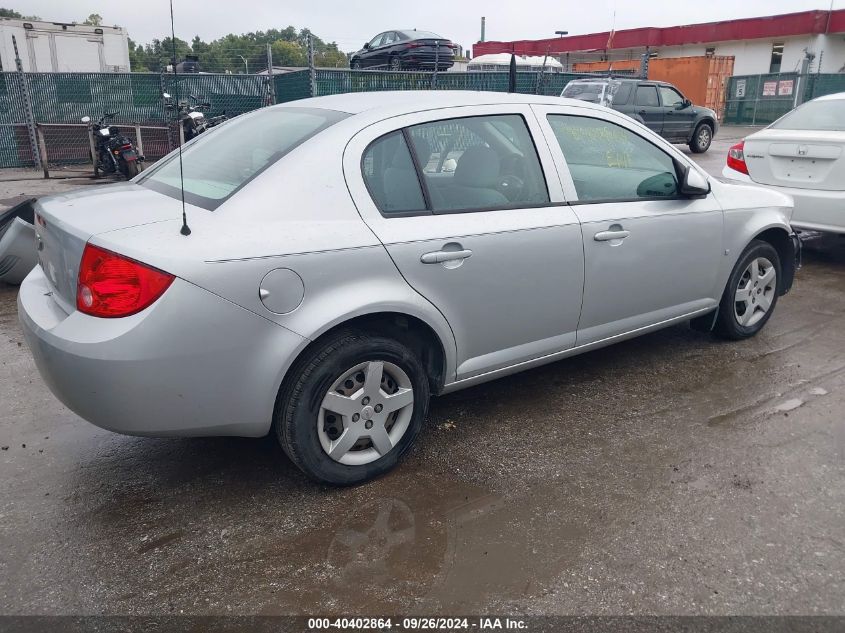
{"x": 114, "y": 150}
{"x": 192, "y": 119}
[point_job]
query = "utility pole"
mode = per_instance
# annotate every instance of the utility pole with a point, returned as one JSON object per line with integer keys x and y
{"x": 246, "y": 64}
{"x": 27, "y": 104}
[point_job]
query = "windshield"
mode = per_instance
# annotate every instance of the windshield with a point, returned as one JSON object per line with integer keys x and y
{"x": 223, "y": 160}
{"x": 826, "y": 115}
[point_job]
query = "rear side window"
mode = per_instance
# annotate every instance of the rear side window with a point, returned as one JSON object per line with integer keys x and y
{"x": 221, "y": 161}
{"x": 459, "y": 165}
{"x": 391, "y": 177}
{"x": 611, "y": 163}
{"x": 647, "y": 96}
{"x": 623, "y": 94}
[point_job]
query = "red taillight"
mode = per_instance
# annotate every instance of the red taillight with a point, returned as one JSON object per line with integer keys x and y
{"x": 111, "y": 285}
{"x": 126, "y": 146}
{"x": 736, "y": 158}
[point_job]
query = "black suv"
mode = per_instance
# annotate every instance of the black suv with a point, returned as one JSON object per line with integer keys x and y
{"x": 657, "y": 104}
{"x": 400, "y": 50}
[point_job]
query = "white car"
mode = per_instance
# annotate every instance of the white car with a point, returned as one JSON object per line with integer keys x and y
{"x": 801, "y": 154}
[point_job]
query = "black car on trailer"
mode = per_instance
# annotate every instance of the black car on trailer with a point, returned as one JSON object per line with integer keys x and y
{"x": 405, "y": 50}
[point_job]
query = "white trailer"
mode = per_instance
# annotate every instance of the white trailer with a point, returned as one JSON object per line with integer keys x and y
{"x": 59, "y": 47}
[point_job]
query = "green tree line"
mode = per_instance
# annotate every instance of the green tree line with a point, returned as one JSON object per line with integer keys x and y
{"x": 238, "y": 53}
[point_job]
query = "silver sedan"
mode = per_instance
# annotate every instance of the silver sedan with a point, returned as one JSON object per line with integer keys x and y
{"x": 317, "y": 270}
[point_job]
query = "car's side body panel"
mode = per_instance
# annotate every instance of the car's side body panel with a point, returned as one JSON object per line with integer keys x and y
{"x": 518, "y": 295}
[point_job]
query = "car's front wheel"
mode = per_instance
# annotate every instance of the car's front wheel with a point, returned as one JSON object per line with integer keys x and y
{"x": 701, "y": 138}
{"x": 352, "y": 407}
{"x": 752, "y": 292}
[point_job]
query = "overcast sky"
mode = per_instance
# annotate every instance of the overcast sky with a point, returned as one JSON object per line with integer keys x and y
{"x": 350, "y": 23}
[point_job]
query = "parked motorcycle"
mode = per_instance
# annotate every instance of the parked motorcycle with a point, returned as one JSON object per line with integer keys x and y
{"x": 192, "y": 118}
{"x": 115, "y": 152}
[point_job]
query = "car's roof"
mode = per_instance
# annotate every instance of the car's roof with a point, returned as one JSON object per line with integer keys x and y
{"x": 636, "y": 79}
{"x": 834, "y": 97}
{"x": 416, "y": 35}
{"x": 418, "y": 100}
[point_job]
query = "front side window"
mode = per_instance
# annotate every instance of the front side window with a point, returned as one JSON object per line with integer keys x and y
{"x": 467, "y": 164}
{"x": 647, "y": 96}
{"x": 376, "y": 41}
{"x": 220, "y": 162}
{"x": 671, "y": 97}
{"x": 609, "y": 162}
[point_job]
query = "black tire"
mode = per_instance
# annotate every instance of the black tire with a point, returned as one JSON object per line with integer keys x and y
{"x": 298, "y": 405}
{"x": 395, "y": 63}
{"x": 727, "y": 324}
{"x": 355, "y": 65}
{"x": 130, "y": 169}
{"x": 702, "y": 138}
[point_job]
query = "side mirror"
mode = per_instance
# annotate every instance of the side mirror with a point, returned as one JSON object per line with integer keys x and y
{"x": 693, "y": 184}
{"x": 86, "y": 119}
{"x": 367, "y": 46}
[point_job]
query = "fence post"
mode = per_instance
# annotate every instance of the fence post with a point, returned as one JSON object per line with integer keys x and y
{"x": 93, "y": 147}
{"x": 139, "y": 144}
{"x": 436, "y": 64}
{"x": 312, "y": 75}
{"x": 271, "y": 87}
{"x": 42, "y": 149}
{"x": 27, "y": 103}
{"x": 756, "y": 101}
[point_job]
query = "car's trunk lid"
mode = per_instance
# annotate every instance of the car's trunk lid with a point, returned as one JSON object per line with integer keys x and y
{"x": 65, "y": 223}
{"x": 800, "y": 159}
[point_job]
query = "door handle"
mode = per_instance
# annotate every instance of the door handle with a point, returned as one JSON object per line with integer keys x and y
{"x": 606, "y": 236}
{"x": 438, "y": 257}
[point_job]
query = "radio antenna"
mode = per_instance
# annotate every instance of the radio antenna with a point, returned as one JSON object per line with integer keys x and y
{"x": 185, "y": 230}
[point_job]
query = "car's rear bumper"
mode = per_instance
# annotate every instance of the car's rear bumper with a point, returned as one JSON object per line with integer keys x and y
{"x": 191, "y": 364}
{"x": 814, "y": 209}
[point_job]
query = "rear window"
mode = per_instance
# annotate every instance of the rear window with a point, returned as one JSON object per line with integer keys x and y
{"x": 221, "y": 161}
{"x": 815, "y": 115}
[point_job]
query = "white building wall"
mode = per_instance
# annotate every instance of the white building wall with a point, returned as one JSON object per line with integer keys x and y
{"x": 751, "y": 57}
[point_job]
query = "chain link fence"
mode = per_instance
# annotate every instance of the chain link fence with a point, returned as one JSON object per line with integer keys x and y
{"x": 762, "y": 99}
{"x": 40, "y": 113}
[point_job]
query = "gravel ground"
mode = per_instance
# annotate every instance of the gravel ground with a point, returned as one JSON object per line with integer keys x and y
{"x": 671, "y": 474}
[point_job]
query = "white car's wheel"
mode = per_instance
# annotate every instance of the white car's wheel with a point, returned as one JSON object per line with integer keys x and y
{"x": 352, "y": 407}
{"x": 751, "y": 293}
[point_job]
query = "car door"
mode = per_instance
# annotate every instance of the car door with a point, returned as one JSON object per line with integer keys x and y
{"x": 374, "y": 52}
{"x": 651, "y": 255}
{"x": 460, "y": 202}
{"x": 678, "y": 114}
{"x": 647, "y": 107}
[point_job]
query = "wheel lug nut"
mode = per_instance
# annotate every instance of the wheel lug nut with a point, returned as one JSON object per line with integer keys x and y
{"x": 365, "y": 401}
{"x": 368, "y": 424}
{"x": 378, "y": 408}
{"x": 356, "y": 417}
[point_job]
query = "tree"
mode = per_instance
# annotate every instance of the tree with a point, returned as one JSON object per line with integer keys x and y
{"x": 11, "y": 13}
{"x": 288, "y": 54}
{"x": 95, "y": 19}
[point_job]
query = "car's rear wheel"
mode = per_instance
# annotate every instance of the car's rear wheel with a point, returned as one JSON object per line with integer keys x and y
{"x": 752, "y": 292}
{"x": 395, "y": 62}
{"x": 352, "y": 407}
{"x": 701, "y": 138}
